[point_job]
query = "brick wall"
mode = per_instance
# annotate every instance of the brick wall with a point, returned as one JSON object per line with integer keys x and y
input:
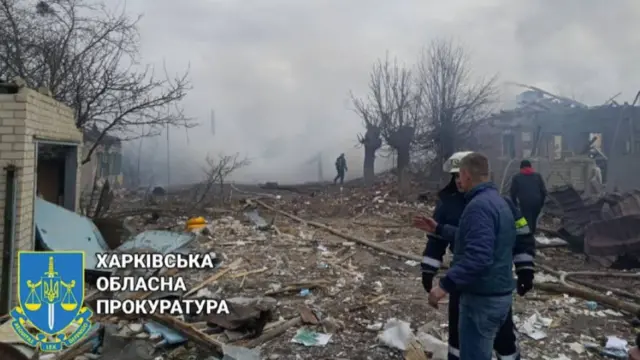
{"x": 25, "y": 117}
{"x": 573, "y": 170}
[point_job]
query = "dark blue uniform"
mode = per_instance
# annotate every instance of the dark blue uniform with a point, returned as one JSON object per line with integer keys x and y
{"x": 528, "y": 193}
{"x": 341, "y": 168}
{"x": 449, "y": 208}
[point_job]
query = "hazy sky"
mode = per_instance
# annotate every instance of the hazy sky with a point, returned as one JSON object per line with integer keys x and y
{"x": 282, "y": 69}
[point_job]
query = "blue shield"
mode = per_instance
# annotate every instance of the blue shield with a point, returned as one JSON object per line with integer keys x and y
{"x": 51, "y": 288}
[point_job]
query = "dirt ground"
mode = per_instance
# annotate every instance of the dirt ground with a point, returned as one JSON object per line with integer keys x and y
{"x": 352, "y": 290}
{"x": 397, "y": 293}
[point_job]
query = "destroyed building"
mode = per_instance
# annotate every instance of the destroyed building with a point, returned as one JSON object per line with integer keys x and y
{"x": 311, "y": 271}
{"x": 39, "y": 151}
{"x": 105, "y": 164}
{"x": 566, "y": 140}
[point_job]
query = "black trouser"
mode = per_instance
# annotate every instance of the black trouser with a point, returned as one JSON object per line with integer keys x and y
{"x": 505, "y": 344}
{"x": 531, "y": 213}
{"x": 339, "y": 176}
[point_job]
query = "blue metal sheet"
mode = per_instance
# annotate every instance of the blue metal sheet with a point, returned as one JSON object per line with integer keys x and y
{"x": 257, "y": 220}
{"x": 157, "y": 241}
{"x": 59, "y": 229}
{"x": 170, "y": 336}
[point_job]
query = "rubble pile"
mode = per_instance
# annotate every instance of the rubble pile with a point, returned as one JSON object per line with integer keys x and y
{"x": 333, "y": 273}
{"x": 606, "y": 227}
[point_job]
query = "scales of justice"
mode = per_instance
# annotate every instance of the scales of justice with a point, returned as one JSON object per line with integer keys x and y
{"x": 49, "y": 286}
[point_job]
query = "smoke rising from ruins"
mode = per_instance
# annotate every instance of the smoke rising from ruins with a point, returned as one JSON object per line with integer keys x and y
{"x": 278, "y": 73}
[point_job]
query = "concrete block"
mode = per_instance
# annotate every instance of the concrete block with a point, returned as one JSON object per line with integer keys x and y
{"x": 9, "y": 138}
{"x": 6, "y": 130}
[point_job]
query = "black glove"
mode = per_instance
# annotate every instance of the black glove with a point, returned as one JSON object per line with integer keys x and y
{"x": 525, "y": 281}
{"x": 427, "y": 281}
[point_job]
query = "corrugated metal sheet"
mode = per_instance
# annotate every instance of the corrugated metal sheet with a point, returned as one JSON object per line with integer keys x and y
{"x": 58, "y": 229}
{"x": 606, "y": 227}
{"x": 157, "y": 241}
{"x": 619, "y": 236}
{"x": 575, "y": 215}
{"x": 621, "y": 204}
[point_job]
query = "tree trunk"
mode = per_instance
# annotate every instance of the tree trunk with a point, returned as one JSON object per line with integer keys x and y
{"x": 400, "y": 140}
{"x": 372, "y": 142}
{"x": 446, "y": 138}
{"x": 404, "y": 181}
{"x": 369, "y": 164}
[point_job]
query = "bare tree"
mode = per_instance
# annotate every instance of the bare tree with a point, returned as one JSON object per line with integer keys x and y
{"x": 216, "y": 172}
{"x": 453, "y": 102}
{"x": 372, "y": 138}
{"x": 88, "y": 58}
{"x": 393, "y": 108}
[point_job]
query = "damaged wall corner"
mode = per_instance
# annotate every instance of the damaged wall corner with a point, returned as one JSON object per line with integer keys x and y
{"x": 27, "y": 119}
{"x": 574, "y": 171}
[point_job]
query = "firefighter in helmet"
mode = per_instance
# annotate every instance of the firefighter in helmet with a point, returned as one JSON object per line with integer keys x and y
{"x": 440, "y": 236}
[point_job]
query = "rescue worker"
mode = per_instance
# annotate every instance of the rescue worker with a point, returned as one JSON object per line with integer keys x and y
{"x": 341, "y": 168}
{"x": 448, "y": 210}
{"x": 528, "y": 193}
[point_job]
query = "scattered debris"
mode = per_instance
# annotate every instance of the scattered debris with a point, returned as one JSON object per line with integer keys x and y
{"x": 397, "y": 334}
{"x": 328, "y": 275}
{"x": 308, "y": 337}
{"x": 257, "y": 220}
{"x": 437, "y": 348}
{"x": 158, "y": 191}
{"x": 605, "y": 227}
{"x": 196, "y": 223}
{"x": 533, "y": 326}
{"x": 615, "y": 348}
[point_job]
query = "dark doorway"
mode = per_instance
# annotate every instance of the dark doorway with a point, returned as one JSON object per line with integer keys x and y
{"x": 57, "y": 174}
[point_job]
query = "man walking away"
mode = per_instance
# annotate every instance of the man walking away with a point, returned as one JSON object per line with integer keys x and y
{"x": 481, "y": 267}
{"x": 528, "y": 192}
{"x": 341, "y": 168}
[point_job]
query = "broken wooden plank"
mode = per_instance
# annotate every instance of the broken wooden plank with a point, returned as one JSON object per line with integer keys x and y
{"x": 590, "y": 295}
{"x": 201, "y": 339}
{"x": 250, "y": 272}
{"x": 342, "y": 235}
{"x": 297, "y": 287}
{"x": 415, "y": 351}
{"x": 275, "y": 332}
{"x": 220, "y": 273}
{"x": 307, "y": 316}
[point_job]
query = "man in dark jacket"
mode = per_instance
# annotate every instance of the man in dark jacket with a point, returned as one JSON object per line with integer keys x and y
{"x": 341, "y": 168}
{"x": 528, "y": 192}
{"x": 483, "y": 257}
{"x": 444, "y": 224}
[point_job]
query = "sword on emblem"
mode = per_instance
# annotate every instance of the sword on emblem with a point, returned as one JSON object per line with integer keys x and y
{"x": 51, "y": 292}
{"x": 51, "y": 316}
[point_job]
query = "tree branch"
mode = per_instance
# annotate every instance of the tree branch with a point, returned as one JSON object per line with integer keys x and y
{"x": 88, "y": 57}
{"x": 454, "y": 103}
